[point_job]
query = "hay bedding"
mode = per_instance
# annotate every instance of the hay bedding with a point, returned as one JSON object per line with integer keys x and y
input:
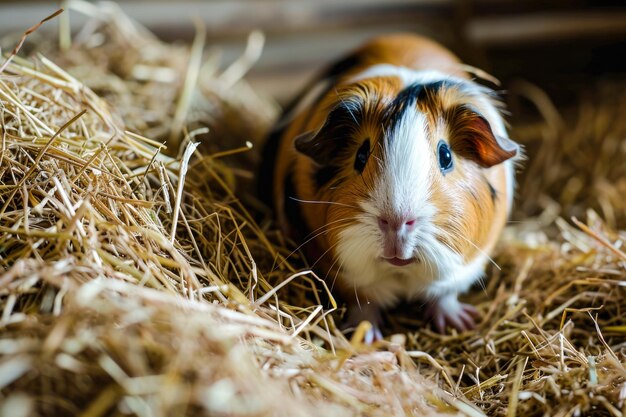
{"x": 135, "y": 283}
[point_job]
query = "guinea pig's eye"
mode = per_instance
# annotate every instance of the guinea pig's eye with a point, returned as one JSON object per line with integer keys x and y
{"x": 445, "y": 157}
{"x": 362, "y": 154}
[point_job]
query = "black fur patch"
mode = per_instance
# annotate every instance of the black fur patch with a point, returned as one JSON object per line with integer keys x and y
{"x": 335, "y": 136}
{"x": 342, "y": 66}
{"x": 325, "y": 175}
{"x": 292, "y": 207}
{"x": 409, "y": 96}
{"x": 362, "y": 155}
{"x": 265, "y": 177}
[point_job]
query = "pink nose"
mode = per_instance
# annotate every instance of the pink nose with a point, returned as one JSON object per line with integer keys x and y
{"x": 396, "y": 224}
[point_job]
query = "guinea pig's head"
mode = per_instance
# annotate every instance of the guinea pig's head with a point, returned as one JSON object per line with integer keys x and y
{"x": 407, "y": 168}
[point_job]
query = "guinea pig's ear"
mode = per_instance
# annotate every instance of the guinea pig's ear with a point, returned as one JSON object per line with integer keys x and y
{"x": 475, "y": 140}
{"x": 325, "y": 144}
{"x": 311, "y": 145}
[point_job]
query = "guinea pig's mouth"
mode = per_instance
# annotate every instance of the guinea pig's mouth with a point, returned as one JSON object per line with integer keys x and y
{"x": 400, "y": 262}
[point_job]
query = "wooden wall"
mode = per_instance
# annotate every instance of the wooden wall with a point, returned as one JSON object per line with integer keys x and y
{"x": 546, "y": 42}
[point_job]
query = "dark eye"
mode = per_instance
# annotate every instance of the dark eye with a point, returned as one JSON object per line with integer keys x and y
{"x": 361, "y": 156}
{"x": 445, "y": 157}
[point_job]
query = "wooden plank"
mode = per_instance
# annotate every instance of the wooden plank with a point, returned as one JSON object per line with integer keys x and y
{"x": 235, "y": 17}
{"x": 302, "y": 36}
{"x": 530, "y": 28}
{"x": 487, "y": 22}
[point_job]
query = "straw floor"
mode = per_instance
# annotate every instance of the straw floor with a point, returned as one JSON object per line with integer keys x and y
{"x": 136, "y": 281}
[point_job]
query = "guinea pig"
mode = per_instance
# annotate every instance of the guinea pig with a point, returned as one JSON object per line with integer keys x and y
{"x": 396, "y": 172}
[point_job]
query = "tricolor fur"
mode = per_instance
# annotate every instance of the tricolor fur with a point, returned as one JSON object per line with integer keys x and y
{"x": 395, "y": 100}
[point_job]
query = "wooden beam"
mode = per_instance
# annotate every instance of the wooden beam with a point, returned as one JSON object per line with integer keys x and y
{"x": 529, "y": 28}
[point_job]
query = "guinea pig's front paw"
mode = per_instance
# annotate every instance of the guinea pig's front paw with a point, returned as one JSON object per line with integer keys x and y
{"x": 369, "y": 312}
{"x": 372, "y": 335}
{"x": 447, "y": 311}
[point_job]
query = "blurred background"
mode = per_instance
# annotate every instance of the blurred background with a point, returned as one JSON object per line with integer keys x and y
{"x": 558, "y": 45}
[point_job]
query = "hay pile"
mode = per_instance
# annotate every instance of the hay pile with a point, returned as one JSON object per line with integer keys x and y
{"x": 135, "y": 282}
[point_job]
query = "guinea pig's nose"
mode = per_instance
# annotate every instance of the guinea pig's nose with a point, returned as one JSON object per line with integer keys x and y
{"x": 396, "y": 224}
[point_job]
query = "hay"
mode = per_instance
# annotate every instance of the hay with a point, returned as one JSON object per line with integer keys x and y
{"x": 136, "y": 282}
{"x": 578, "y": 162}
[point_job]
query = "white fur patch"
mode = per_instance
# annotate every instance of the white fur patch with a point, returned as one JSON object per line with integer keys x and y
{"x": 439, "y": 271}
{"x": 404, "y": 185}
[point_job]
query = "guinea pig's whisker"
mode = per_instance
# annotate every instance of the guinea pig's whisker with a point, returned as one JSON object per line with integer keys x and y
{"x": 483, "y": 252}
{"x": 358, "y": 194}
{"x": 314, "y": 236}
{"x": 324, "y": 254}
{"x": 424, "y": 261}
{"x": 365, "y": 183}
{"x": 483, "y": 287}
{"x": 447, "y": 245}
{"x": 332, "y": 285}
{"x": 330, "y": 268}
{"x": 322, "y": 202}
{"x": 356, "y": 296}
{"x": 444, "y": 236}
{"x": 478, "y": 249}
{"x": 346, "y": 219}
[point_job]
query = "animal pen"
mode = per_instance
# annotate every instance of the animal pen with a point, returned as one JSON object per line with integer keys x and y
{"x": 141, "y": 276}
